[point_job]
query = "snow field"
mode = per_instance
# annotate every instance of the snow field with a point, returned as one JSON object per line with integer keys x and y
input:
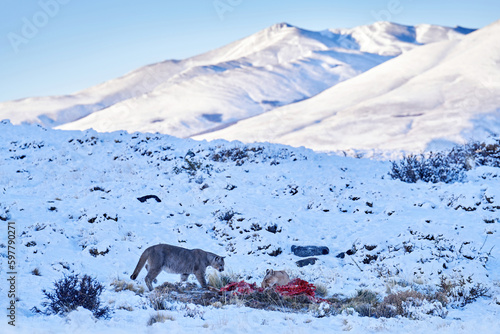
{"x": 73, "y": 198}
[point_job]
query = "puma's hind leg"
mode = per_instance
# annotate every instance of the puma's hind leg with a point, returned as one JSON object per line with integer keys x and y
{"x": 151, "y": 277}
{"x": 147, "y": 268}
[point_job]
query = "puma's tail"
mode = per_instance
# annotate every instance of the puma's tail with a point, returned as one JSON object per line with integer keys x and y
{"x": 140, "y": 264}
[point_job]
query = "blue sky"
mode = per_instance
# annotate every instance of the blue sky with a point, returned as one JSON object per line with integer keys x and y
{"x": 50, "y": 47}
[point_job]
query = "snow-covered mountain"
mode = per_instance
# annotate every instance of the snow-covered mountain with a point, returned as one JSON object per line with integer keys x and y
{"x": 274, "y": 67}
{"x": 423, "y": 99}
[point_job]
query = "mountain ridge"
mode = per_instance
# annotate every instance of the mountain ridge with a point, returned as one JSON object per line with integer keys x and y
{"x": 278, "y": 65}
{"x": 428, "y": 95}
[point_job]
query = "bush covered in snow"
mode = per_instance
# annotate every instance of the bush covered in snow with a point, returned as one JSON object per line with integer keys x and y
{"x": 72, "y": 292}
{"x": 446, "y": 166}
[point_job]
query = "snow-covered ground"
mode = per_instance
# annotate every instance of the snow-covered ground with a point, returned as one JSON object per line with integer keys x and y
{"x": 71, "y": 192}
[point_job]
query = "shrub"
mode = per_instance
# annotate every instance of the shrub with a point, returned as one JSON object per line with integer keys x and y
{"x": 72, "y": 292}
{"x": 483, "y": 154}
{"x": 434, "y": 167}
{"x": 446, "y": 166}
{"x": 364, "y": 302}
{"x": 462, "y": 292}
{"x": 164, "y": 296}
{"x": 397, "y": 301}
{"x": 236, "y": 154}
{"x": 225, "y": 216}
{"x": 233, "y": 154}
{"x": 415, "y": 308}
{"x": 159, "y": 301}
{"x": 410, "y": 304}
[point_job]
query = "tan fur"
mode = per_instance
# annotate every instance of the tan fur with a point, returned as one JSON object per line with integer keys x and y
{"x": 274, "y": 278}
{"x": 176, "y": 260}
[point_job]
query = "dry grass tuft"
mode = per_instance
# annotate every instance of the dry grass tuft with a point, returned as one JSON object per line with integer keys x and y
{"x": 219, "y": 280}
{"x": 159, "y": 317}
{"x": 122, "y": 285}
{"x": 321, "y": 290}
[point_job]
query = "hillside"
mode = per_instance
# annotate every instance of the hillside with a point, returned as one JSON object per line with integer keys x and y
{"x": 277, "y": 66}
{"x": 72, "y": 198}
{"x": 424, "y": 99}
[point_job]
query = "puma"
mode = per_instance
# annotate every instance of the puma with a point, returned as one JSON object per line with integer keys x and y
{"x": 177, "y": 260}
{"x": 274, "y": 278}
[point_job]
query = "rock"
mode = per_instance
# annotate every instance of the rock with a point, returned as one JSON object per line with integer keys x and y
{"x": 273, "y": 229}
{"x": 145, "y": 198}
{"x": 340, "y": 255}
{"x": 350, "y": 252}
{"x": 306, "y": 262}
{"x": 305, "y": 251}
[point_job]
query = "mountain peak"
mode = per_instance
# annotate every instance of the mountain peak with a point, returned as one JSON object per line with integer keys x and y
{"x": 281, "y": 25}
{"x": 388, "y": 24}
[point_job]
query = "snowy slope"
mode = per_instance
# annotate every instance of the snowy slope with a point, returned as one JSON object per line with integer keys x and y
{"x": 72, "y": 192}
{"x": 54, "y": 110}
{"x": 274, "y": 67}
{"x": 438, "y": 93}
{"x": 389, "y": 39}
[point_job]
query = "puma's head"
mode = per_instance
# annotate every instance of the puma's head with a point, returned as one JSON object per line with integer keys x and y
{"x": 218, "y": 263}
{"x": 268, "y": 279}
{"x": 275, "y": 277}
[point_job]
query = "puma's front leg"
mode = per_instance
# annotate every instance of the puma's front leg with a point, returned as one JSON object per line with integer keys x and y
{"x": 200, "y": 276}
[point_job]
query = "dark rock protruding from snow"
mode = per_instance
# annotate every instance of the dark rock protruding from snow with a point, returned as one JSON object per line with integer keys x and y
{"x": 145, "y": 198}
{"x": 306, "y": 262}
{"x": 305, "y": 251}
